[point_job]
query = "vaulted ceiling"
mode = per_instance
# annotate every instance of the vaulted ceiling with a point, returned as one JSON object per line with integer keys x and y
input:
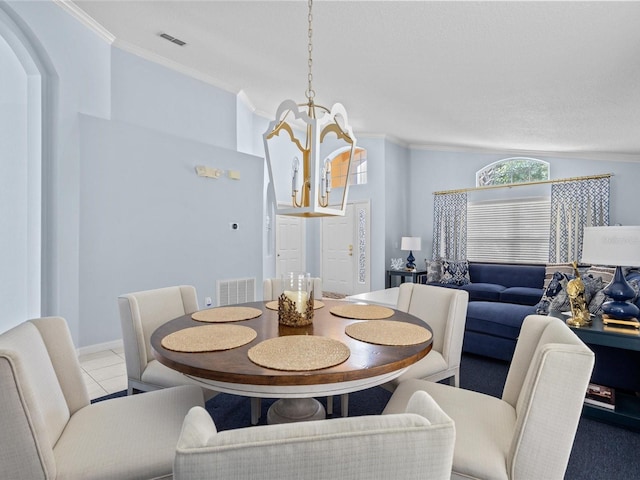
{"x": 544, "y": 77}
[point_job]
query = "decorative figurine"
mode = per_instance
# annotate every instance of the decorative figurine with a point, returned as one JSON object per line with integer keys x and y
{"x": 580, "y": 315}
{"x": 396, "y": 263}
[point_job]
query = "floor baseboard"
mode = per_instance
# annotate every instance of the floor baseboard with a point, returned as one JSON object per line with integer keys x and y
{"x": 98, "y": 347}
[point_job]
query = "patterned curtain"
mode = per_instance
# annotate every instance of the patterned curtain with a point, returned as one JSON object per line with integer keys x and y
{"x": 450, "y": 226}
{"x": 575, "y": 205}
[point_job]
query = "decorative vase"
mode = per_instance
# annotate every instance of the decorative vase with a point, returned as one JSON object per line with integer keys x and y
{"x": 295, "y": 304}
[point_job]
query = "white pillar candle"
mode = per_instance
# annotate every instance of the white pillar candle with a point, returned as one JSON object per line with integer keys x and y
{"x": 299, "y": 299}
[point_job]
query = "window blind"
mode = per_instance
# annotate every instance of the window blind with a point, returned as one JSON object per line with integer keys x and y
{"x": 512, "y": 231}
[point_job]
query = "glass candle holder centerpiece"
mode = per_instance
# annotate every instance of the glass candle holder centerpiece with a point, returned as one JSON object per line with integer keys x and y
{"x": 295, "y": 304}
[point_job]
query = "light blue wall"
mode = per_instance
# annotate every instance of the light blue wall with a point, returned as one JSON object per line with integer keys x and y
{"x": 148, "y": 221}
{"x": 436, "y": 171}
{"x": 76, "y": 62}
{"x": 399, "y": 209}
{"x": 245, "y": 139}
{"x": 171, "y": 123}
{"x": 253, "y": 128}
{"x": 167, "y": 120}
{"x": 145, "y": 93}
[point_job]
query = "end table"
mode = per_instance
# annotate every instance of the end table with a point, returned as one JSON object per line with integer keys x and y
{"x": 403, "y": 274}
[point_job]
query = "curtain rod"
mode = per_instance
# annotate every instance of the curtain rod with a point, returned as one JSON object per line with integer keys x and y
{"x": 539, "y": 182}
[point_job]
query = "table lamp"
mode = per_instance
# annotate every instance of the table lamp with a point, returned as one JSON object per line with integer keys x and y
{"x": 411, "y": 244}
{"x": 620, "y": 247}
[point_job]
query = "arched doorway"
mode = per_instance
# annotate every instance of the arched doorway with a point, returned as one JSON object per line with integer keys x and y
{"x": 25, "y": 139}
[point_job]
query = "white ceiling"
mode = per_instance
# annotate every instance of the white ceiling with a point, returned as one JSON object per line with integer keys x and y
{"x": 546, "y": 77}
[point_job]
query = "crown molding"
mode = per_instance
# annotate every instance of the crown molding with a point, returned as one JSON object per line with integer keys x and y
{"x": 383, "y": 136}
{"x": 111, "y": 39}
{"x": 599, "y": 156}
{"x": 165, "y": 62}
{"x": 242, "y": 96}
{"x": 86, "y": 20}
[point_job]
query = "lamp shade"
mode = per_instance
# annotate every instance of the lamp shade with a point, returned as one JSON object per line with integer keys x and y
{"x": 411, "y": 243}
{"x": 613, "y": 246}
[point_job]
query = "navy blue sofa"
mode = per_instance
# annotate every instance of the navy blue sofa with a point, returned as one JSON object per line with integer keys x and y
{"x": 500, "y": 297}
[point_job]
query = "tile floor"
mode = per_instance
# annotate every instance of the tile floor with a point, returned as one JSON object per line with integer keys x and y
{"x": 104, "y": 372}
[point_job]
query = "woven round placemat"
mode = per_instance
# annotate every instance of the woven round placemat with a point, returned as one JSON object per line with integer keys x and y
{"x": 273, "y": 305}
{"x": 362, "y": 312}
{"x": 299, "y": 353}
{"x": 226, "y": 314}
{"x": 388, "y": 332}
{"x": 208, "y": 338}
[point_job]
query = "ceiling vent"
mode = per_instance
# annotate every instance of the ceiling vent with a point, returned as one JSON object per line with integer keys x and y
{"x": 175, "y": 40}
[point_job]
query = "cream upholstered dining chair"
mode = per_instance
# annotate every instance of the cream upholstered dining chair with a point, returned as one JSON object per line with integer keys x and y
{"x": 140, "y": 314}
{"x": 445, "y": 311}
{"x": 51, "y": 430}
{"x": 529, "y": 432}
{"x": 415, "y": 444}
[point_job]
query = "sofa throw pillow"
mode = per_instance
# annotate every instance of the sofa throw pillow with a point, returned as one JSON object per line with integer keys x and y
{"x": 434, "y": 271}
{"x": 557, "y": 282}
{"x": 455, "y": 272}
{"x": 595, "y": 305}
{"x": 606, "y": 273}
{"x": 561, "y": 301}
{"x": 553, "y": 268}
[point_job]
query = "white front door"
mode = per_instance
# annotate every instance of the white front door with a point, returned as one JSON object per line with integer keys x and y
{"x": 345, "y": 251}
{"x": 289, "y": 245}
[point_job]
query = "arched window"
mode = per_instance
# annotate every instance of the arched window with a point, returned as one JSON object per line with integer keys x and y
{"x": 358, "y": 167}
{"x": 510, "y": 229}
{"x": 513, "y": 170}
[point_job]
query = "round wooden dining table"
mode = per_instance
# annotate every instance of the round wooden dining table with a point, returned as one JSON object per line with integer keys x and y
{"x": 231, "y": 371}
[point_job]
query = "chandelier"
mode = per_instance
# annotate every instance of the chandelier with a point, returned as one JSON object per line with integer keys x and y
{"x": 312, "y": 146}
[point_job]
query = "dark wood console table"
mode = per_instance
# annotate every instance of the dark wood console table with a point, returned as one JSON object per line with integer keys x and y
{"x": 627, "y": 411}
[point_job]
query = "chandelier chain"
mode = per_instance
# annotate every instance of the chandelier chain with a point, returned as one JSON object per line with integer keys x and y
{"x": 310, "y": 92}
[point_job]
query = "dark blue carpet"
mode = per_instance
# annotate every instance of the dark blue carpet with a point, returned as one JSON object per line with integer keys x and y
{"x": 230, "y": 411}
{"x": 600, "y": 451}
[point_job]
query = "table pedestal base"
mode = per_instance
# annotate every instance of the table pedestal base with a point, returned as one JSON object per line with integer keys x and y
{"x": 288, "y": 410}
